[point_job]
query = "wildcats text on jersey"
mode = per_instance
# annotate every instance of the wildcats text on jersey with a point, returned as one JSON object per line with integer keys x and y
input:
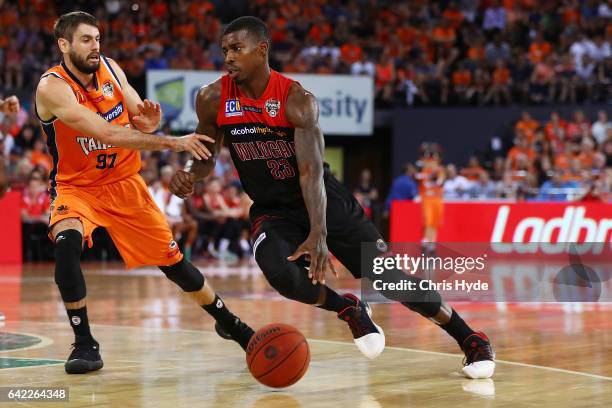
{"x": 263, "y": 150}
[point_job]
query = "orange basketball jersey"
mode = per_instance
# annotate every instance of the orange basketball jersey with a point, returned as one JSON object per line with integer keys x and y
{"x": 79, "y": 159}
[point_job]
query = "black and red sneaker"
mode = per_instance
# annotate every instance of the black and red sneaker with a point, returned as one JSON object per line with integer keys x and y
{"x": 368, "y": 336}
{"x": 479, "y": 361}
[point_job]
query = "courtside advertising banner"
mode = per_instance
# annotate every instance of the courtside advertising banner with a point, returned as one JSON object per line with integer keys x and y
{"x": 346, "y": 103}
{"x": 494, "y": 252}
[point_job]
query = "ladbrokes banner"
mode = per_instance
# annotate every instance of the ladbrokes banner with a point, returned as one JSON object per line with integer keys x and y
{"x": 495, "y": 252}
{"x": 346, "y": 103}
{"x": 534, "y": 224}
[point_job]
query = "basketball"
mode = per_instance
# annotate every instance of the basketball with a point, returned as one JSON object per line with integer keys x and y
{"x": 278, "y": 355}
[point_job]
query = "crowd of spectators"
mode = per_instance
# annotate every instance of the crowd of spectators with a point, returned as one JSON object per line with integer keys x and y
{"x": 418, "y": 52}
{"x": 422, "y": 51}
{"x": 562, "y": 159}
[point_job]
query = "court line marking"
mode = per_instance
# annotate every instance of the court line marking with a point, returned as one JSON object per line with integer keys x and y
{"x": 345, "y": 343}
{"x": 44, "y": 341}
{"x": 404, "y": 349}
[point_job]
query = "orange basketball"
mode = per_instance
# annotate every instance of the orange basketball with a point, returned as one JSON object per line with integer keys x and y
{"x": 278, "y": 355}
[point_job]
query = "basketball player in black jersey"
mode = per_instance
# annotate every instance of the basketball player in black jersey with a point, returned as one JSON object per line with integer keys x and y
{"x": 270, "y": 125}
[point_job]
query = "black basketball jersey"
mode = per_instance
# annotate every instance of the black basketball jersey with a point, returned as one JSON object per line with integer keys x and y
{"x": 261, "y": 143}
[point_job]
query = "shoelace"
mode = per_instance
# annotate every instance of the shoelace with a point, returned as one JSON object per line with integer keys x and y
{"x": 474, "y": 354}
{"x": 357, "y": 325}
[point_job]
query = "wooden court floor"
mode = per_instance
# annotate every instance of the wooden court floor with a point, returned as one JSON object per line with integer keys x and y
{"x": 159, "y": 349}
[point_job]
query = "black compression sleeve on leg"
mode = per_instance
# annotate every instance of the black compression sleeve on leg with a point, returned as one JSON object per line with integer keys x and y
{"x": 185, "y": 275}
{"x": 68, "y": 275}
{"x": 425, "y": 302}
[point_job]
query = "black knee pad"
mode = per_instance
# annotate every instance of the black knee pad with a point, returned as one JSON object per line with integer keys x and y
{"x": 185, "y": 275}
{"x": 68, "y": 275}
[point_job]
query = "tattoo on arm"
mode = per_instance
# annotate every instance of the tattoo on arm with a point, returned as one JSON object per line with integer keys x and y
{"x": 303, "y": 112}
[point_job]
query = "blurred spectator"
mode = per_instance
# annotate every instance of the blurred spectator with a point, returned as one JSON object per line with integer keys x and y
{"x": 601, "y": 127}
{"x": 483, "y": 188}
{"x": 556, "y": 189}
{"x": 456, "y": 187}
{"x": 183, "y": 226}
{"x": 494, "y": 17}
{"x": 500, "y": 84}
{"x": 35, "y": 218}
{"x": 227, "y": 230}
{"x": 366, "y": 192}
{"x": 404, "y": 187}
{"x": 366, "y": 188}
{"x": 474, "y": 171}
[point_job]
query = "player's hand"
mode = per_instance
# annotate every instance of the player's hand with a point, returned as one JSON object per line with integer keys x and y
{"x": 149, "y": 116}
{"x": 182, "y": 183}
{"x": 315, "y": 249}
{"x": 193, "y": 144}
{"x": 10, "y": 105}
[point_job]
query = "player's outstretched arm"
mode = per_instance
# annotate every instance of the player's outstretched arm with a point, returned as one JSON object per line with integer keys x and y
{"x": 54, "y": 96}
{"x": 303, "y": 112}
{"x": 144, "y": 115}
{"x": 207, "y": 103}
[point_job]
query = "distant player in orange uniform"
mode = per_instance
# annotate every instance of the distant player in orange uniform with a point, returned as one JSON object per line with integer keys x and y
{"x": 431, "y": 181}
{"x": 88, "y": 110}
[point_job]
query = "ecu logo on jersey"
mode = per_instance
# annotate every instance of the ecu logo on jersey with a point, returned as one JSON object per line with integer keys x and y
{"x": 232, "y": 108}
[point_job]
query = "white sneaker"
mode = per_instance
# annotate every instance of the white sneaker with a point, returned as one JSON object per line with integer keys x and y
{"x": 368, "y": 336}
{"x": 479, "y": 356}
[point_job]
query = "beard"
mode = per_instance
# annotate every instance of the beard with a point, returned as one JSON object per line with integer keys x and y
{"x": 82, "y": 65}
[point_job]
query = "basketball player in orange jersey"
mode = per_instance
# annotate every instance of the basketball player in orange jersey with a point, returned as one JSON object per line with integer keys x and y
{"x": 8, "y": 106}
{"x": 431, "y": 181}
{"x": 300, "y": 211}
{"x": 88, "y": 112}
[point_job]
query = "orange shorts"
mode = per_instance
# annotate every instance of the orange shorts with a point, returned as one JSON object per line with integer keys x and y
{"x": 433, "y": 212}
{"x": 129, "y": 214}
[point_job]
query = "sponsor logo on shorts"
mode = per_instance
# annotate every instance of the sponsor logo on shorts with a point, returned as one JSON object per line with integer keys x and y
{"x": 381, "y": 245}
{"x": 232, "y": 108}
{"x": 173, "y": 249}
{"x": 62, "y": 210}
{"x": 272, "y": 107}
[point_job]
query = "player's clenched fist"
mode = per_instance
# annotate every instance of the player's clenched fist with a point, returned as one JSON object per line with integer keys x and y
{"x": 181, "y": 184}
